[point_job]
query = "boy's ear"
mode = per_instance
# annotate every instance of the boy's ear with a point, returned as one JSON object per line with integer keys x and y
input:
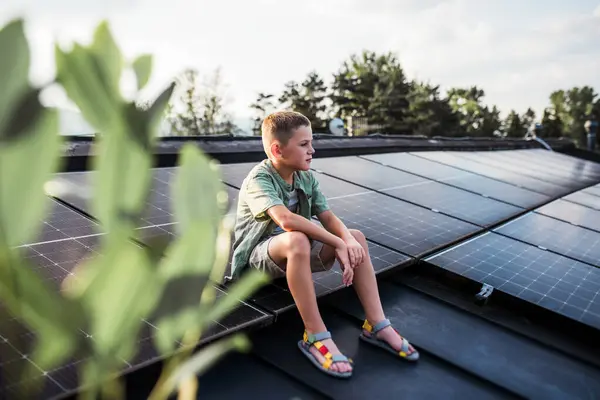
{"x": 276, "y": 148}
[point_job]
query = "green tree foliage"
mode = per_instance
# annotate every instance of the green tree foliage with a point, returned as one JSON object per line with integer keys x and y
{"x": 372, "y": 86}
{"x": 476, "y": 119}
{"x": 307, "y": 98}
{"x": 572, "y": 108}
{"x": 200, "y": 109}
{"x": 429, "y": 114}
{"x": 113, "y": 292}
{"x": 263, "y": 106}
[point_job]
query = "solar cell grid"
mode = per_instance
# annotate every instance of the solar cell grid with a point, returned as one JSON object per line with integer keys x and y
{"x": 559, "y": 236}
{"x": 553, "y": 158}
{"x": 455, "y": 202}
{"x": 557, "y": 283}
{"x": 399, "y": 225}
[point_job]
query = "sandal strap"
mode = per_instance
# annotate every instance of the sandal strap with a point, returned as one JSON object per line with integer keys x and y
{"x": 311, "y": 338}
{"x": 379, "y": 326}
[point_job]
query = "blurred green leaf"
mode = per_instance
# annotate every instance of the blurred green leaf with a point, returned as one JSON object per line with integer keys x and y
{"x": 198, "y": 191}
{"x": 54, "y": 319}
{"x": 143, "y": 69}
{"x": 238, "y": 292}
{"x": 14, "y": 70}
{"x": 22, "y": 199}
{"x": 121, "y": 289}
{"x": 108, "y": 59}
{"x": 80, "y": 74}
{"x": 156, "y": 112}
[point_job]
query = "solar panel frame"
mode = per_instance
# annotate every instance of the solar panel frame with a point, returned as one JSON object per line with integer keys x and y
{"x": 539, "y": 230}
{"x": 549, "y": 280}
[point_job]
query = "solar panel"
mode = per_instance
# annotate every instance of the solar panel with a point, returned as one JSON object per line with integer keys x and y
{"x": 366, "y": 173}
{"x": 488, "y": 158}
{"x": 573, "y": 167}
{"x": 595, "y": 190}
{"x": 554, "y": 158}
{"x": 417, "y": 165}
{"x": 537, "y": 164}
{"x": 575, "y": 214}
{"x": 234, "y": 174}
{"x": 498, "y": 190}
{"x": 397, "y": 224}
{"x": 485, "y": 186}
{"x": 54, "y": 261}
{"x": 276, "y": 298}
{"x": 552, "y": 281}
{"x": 500, "y": 174}
{"x": 542, "y": 231}
{"x": 458, "y": 203}
{"x": 584, "y": 199}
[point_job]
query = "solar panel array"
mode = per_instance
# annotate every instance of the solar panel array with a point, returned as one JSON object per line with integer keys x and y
{"x": 409, "y": 206}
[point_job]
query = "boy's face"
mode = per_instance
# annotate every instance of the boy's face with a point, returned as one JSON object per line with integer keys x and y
{"x": 298, "y": 152}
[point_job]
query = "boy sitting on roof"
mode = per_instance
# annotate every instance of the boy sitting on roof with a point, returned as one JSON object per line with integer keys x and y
{"x": 274, "y": 234}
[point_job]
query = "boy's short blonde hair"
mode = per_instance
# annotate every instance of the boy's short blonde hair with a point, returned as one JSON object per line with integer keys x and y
{"x": 280, "y": 126}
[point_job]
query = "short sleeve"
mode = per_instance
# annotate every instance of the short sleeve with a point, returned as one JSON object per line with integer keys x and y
{"x": 319, "y": 201}
{"x": 261, "y": 195}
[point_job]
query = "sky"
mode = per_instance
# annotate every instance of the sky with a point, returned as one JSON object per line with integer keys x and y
{"x": 518, "y": 52}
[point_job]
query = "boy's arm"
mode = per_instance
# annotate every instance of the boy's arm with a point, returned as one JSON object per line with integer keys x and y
{"x": 288, "y": 221}
{"x": 333, "y": 224}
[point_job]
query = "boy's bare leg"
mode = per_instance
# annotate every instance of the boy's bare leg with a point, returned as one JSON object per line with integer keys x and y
{"x": 292, "y": 251}
{"x": 365, "y": 284}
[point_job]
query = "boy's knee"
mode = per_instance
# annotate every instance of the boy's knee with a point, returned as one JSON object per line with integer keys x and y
{"x": 358, "y": 235}
{"x": 298, "y": 243}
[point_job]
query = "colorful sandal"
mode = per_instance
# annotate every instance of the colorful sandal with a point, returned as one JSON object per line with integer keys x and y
{"x": 372, "y": 339}
{"x": 315, "y": 340}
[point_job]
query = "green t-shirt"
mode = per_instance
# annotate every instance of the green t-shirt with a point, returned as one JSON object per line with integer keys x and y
{"x": 262, "y": 189}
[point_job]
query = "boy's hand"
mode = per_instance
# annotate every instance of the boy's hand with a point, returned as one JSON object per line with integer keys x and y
{"x": 356, "y": 253}
{"x": 341, "y": 254}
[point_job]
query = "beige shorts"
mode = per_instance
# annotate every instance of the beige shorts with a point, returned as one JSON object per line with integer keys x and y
{"x": 261, "y": 260}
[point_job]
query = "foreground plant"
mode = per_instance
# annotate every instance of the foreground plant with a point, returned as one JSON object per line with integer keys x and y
{"x": 113, "y": 293}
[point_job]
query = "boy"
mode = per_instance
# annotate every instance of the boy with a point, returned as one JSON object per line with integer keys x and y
{"x": 274, "y": 233}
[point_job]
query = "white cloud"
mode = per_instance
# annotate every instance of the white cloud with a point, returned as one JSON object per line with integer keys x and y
{"x": 516, "y": 52}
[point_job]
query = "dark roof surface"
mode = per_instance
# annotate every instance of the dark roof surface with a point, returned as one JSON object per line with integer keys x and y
{"x": 440, "y": 225}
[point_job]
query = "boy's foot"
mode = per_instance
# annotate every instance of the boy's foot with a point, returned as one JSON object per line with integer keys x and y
{"x": 338, "y": 366}
{"x": 391, "y": 337}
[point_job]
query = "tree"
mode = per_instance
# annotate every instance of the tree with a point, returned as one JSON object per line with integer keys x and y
{"x": 374, "y": 87}
{"x": 262, "y": 107}
{"x": 552, "y": 125}
{"x": 475, "y": 118}
{"x": 573, "y": 107}
{"x": 513, "y": 126}
{"x": 428, "y": 114}
{"x": 201, "y": 107}
{"x": 307, "y": 98}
